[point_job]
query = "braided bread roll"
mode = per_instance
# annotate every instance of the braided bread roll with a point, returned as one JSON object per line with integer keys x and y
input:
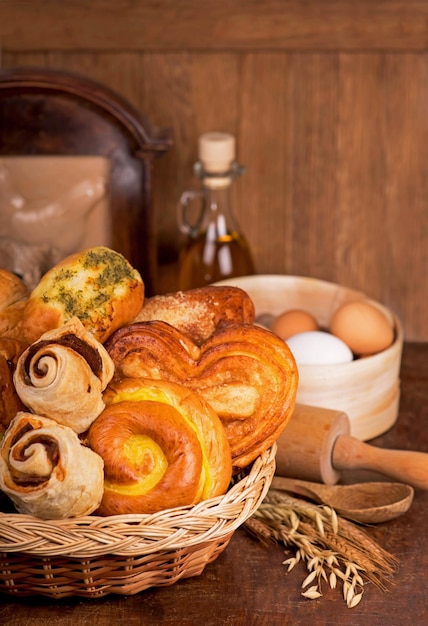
{"x": 63, "y": 375}
{"x": 46, "y": 471}
{"x": 162, "y": 447}
{"x": 245, "y": 372}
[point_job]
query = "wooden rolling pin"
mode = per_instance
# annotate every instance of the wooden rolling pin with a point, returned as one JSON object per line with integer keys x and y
{"x": 316, "y": 445}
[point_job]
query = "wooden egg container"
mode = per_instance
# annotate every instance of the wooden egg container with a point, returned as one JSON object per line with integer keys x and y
{"x": 367, "y": 389}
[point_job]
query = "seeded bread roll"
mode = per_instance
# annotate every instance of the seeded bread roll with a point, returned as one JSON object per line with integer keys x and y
{"x": 98, "y": 286}
{"x": 199, "y": 312}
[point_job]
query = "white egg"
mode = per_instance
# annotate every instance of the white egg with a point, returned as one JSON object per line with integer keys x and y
{"x": 318, "y": 348}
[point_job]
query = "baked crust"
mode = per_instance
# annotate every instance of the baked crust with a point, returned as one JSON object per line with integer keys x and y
{"x": 98, "y": 286}
{"x": 199, "y": 312}
{"x": 245, "y": 372}
{"x": 13, "y": 297}
{"x": 12, "y": 289}
{"x": 10, "y": 403}
{"x": 163, "y": 446}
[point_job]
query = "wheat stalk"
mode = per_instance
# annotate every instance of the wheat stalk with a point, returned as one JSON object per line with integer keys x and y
{"x": 334, "y": 549}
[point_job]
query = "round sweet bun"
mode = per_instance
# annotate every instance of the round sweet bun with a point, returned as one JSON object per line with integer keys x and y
{"x": 13, "y": 297}
{"x": 98, "y": 286}
{"x": 162, "y": 445}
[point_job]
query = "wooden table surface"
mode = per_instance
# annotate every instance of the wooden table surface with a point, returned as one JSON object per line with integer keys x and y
{"x": 248, "y": 585}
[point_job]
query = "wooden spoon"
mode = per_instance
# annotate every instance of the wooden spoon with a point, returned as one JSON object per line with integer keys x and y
{"x": 368, "y": 503}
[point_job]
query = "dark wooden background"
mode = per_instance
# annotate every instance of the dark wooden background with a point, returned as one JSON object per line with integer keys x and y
{"x": 328, "y": 100}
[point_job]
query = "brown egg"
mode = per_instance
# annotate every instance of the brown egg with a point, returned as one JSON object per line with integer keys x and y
{"x": 292, "y": 322}
{"x": 363, "y": 327}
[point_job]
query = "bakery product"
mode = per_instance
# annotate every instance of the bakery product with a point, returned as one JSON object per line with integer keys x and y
{"x": 245, "y": 372}
{"x": 46, "y": 471}
{"x": 63, "y": 375}
{"x": 199, "y": 312}
{"x": 13, "y": 298}
{"x": 98, "y": 286}
{"x": 162, "y": 447}
{"x": 10, "y": 402}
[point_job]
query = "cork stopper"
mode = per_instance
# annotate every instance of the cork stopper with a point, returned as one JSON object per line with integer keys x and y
{"x": 216, "y": 152}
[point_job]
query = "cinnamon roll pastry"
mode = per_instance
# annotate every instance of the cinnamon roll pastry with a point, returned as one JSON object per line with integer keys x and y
{"x": 245, "y": 372}
{"x": 46, "y": 471}
{"x": 163, "y": 446}
{"x": 63, "y": 376}
{"x": 199, "y": 312}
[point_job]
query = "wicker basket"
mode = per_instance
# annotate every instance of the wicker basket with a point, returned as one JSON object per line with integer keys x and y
{"x": 95, "y": 556}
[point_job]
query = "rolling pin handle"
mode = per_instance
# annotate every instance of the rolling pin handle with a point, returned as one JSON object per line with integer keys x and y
{"x": 405, "y": 466}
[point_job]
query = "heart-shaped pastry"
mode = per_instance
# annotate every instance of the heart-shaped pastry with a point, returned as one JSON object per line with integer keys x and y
{"x": 246, "y": 373}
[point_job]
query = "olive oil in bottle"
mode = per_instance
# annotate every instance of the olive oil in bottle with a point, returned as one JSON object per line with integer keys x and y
{"x": 216, "y": 249}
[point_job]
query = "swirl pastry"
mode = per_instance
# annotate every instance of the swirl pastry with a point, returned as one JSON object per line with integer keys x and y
{"x": 98, "y": 286}
{"x": 198, "y": 312}
{"x": 163, "y": 446}
{"x": 245, "y": 372}
{"x": 46, "y": 471}
{"x": 63, "y": 375}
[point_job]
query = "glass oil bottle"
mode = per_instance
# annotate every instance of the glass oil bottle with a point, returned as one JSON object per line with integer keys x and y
{"x": 215, "y": 249}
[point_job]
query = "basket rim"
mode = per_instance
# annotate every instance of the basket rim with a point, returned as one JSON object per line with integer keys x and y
{"x": 140, "y": 534}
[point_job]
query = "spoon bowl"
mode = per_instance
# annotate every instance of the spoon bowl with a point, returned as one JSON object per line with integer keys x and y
{"x": 367, "y": 503}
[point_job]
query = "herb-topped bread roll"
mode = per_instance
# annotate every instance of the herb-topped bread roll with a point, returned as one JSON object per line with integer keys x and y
{"x": 98, "y": 286}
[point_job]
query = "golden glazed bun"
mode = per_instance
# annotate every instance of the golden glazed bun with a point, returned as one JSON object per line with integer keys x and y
{"x": 163, "y": 446}
{"x": 199, "y": 312}
{"x": 13, "y": 297}
{"x": 98, "y": 286}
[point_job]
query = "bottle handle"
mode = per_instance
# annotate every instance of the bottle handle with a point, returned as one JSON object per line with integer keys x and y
{"x": 183, "y": 223}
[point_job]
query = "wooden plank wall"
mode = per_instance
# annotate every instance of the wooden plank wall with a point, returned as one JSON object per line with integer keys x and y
{"x": 328, "y": 101}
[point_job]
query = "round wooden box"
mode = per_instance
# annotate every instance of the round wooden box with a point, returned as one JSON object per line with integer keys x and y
{"x": 367, "y": 389}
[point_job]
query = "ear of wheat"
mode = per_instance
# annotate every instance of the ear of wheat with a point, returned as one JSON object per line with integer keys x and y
{"x": 335, "y": 550}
